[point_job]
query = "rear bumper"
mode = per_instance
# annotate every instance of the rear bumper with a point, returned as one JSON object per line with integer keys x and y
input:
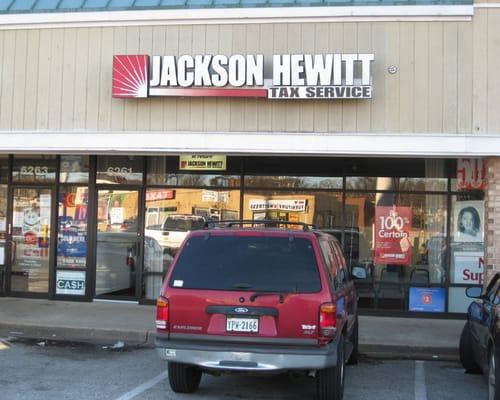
{"x": 247, "y": 357}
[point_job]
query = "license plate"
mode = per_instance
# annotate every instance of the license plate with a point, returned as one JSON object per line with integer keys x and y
{"x": 242, "y": 324}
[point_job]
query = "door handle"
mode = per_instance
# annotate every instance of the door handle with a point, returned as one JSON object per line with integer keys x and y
{"x": 13, "y": 248}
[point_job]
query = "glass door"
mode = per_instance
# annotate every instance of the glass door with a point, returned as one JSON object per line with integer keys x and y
{"x": 31, "y": 228}
{"x": 118, "y": 243}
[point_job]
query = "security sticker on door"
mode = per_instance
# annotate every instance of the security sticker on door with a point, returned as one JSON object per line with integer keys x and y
{"x": 242, "y": 325}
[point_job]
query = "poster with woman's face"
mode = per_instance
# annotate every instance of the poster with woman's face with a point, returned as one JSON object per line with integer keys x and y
{"x": 469, "y": 221}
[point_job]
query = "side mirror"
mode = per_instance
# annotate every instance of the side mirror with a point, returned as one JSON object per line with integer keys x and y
{"x": 358, "y": 272}
{"x": 474, "y": 292}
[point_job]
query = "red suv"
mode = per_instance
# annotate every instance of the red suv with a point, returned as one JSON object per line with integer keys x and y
{"x": 258, "y": 299}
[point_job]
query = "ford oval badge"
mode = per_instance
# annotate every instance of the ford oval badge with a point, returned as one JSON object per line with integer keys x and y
{"x": 241, "y": 310}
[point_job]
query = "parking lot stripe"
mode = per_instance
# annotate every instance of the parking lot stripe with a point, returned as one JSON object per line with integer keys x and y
{"x": 145, "y": 386}
{"x": 420, "y": 388}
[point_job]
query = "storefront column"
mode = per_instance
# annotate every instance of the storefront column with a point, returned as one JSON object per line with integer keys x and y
{"x": 492, "y": 231}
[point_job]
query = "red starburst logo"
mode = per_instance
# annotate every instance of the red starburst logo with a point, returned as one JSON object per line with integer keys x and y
{"x": 130, "y": 76}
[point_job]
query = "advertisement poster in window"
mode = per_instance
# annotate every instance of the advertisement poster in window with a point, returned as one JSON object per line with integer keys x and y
{"x": 392, "y": 235}
{"x": 468, "y": 267}
{"x": 72, "y": 243}
{"x": 427, "y": 299}
{"x": 468, "y": 221}
{"x": 70, "y": 282}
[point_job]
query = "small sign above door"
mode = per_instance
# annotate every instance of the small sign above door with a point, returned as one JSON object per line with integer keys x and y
{"x": 202, "y": 162}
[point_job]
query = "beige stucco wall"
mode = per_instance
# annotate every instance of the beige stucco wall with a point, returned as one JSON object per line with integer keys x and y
{"x": 448, "y": 79}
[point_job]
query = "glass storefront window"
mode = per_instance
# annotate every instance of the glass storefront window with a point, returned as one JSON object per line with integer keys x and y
{"x": 320, "y": 208}
{"x": 402, "y": 247}
{"x": 165, "y": 171}
{"x": 34, "y": 169}
{"x": 202, "y": 180}
{"x": 72, "y": 233}
{"x": 391, "y": 183}
{"x": 74, "y": 169}
{"x": 394, "y": 227}
{"x": 31, "y": 218}
{"x": 117, "y": 242}
{"x": 170, "y": 215}
{"x": 293, "y": 182}
{"x": 120, "y": 169}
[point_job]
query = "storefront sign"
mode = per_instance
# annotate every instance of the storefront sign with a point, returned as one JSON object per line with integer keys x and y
{"x": 202, "y": 162}
{"x": 471, "y": 174}
{"x": 468, "y": 268}
{"x": 281, "y": 205}
{"x": 70, "y": 282}
{"x": 294, "y": 76}
{"x": 392, "y": 235}
{"x": 427, "y": 299}
{"x": 153, "y": 195}
{"x": 213, "y": 196}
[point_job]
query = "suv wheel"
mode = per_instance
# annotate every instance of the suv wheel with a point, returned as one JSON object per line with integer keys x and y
{"x": 183, "y": 378}
{"x": 493, "y": 386}
{"x": 330, "y": 381}
{"x": 353, "y": 358}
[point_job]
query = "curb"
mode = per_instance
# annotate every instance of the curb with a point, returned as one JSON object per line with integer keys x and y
{"x": 82, "y": 335}
{"x": 146, "y": 338}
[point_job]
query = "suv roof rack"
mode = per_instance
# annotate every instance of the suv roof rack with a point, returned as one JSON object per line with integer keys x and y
{"x": 255, "y": 223}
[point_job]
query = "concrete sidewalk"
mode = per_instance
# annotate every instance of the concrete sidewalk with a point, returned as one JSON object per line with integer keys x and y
{"x": 108, "y": 323}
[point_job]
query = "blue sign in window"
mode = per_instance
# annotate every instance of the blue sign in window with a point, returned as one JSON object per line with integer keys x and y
{"x": 427, "y": 299}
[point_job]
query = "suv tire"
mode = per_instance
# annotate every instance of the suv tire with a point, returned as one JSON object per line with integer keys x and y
{"x": 183, "y": 378}
{"x": 330, "y": 381}
{"x": 493, "y": 381}
{"x": 466, "y": 351}
{"x": 353, "y": 358}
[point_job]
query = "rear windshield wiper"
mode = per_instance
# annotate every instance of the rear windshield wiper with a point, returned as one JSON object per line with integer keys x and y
{"x": 259, "y": 294}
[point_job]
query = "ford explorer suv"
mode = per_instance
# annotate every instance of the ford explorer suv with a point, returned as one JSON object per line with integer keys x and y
{"x": 248, "y": 298}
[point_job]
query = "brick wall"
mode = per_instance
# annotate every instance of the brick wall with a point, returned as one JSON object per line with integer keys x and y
{"x": 492, "y": 214}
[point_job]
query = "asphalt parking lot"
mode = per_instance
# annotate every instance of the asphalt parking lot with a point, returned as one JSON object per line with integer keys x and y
{"x": 44, "y": 370}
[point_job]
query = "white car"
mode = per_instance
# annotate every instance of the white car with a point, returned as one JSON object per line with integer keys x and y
{"x": 174, "y": 230}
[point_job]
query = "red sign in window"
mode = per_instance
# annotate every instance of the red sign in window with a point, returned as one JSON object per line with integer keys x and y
{"x": 392, "y": 235}
{"x": 471, "y": 174}
{"x": 152, "y": 195}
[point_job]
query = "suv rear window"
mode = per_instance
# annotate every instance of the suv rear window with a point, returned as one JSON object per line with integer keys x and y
{"x": 183, "y": 224}
{"x": 280, "y": 264}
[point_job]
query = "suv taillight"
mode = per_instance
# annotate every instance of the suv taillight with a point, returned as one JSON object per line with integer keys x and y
{"x": 162, "y": 314}
{"x": 327, "y": 320}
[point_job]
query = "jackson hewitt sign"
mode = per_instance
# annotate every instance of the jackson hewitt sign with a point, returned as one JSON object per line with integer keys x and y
{"x": 294, "y": 76}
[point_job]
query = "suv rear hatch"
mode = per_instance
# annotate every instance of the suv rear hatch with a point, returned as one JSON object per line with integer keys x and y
{"x": 248, "y": 284}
